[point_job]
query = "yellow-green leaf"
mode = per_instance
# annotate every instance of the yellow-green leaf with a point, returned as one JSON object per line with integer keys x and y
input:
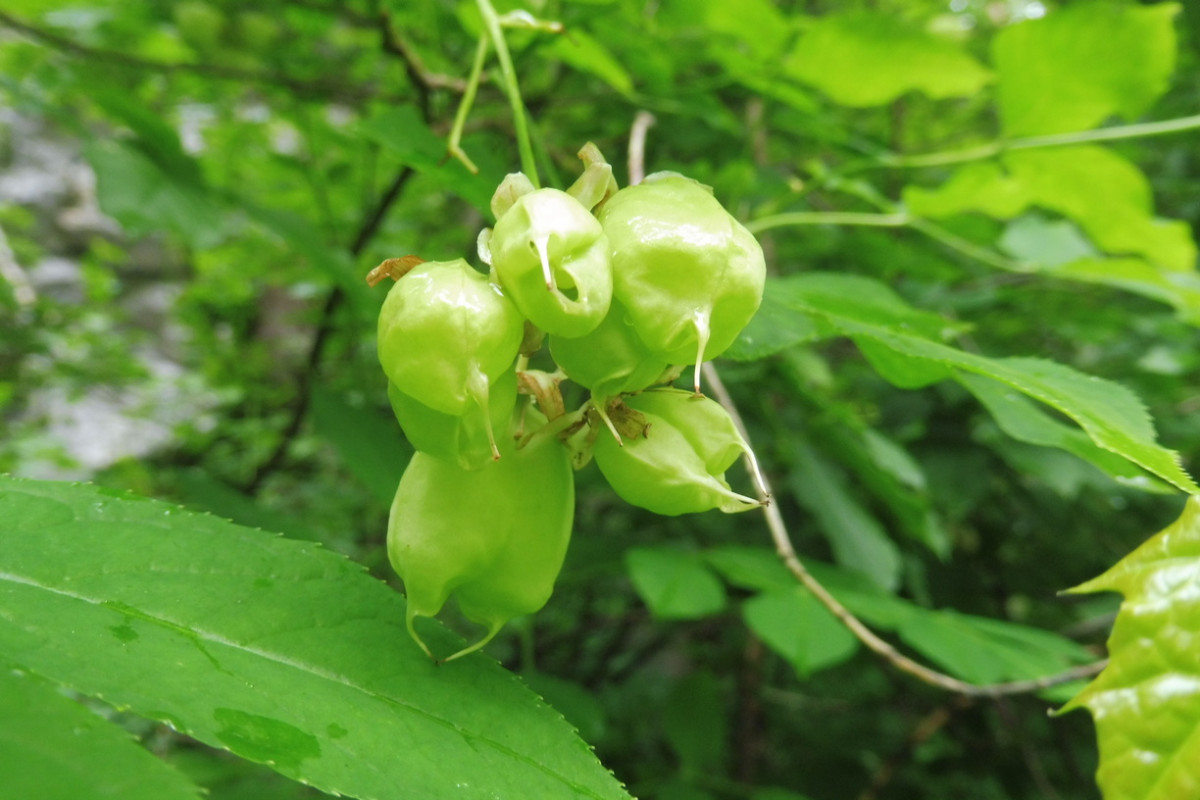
{"x": 1146, "y": 703}
{"x": 865, "y": 59}
{"x": 1079, "y": 65}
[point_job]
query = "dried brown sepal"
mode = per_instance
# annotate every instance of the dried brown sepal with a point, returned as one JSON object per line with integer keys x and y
{"x": 629, "y": 422}
{"x": 543, "y": 387}
{"x": 394, "y": 268}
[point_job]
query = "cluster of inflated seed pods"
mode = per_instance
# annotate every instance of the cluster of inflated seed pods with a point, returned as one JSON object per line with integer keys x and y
{"x": 630, "y": 286}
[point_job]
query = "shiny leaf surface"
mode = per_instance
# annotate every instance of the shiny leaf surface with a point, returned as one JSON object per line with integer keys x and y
{"x": 274, "y": 649}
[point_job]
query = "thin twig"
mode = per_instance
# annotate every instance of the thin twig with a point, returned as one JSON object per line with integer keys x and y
{"x": 454, "y": 141}
{"x": 787, "y": 553}
{"x": 643, "y": 121}
{"x": 1118, "y": 132}
{"x": 895, "y": 220}
{"x": 892, "y": 217}
{"x": 511, "y": 88}
{"x": 420, "y": 76}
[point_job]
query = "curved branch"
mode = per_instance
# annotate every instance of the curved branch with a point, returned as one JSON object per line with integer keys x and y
{"x": 1115, "y": 133}
{"x": 871, "y": 640}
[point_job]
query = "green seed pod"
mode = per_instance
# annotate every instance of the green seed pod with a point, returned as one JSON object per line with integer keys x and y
{"x": 609, "y": 360}
{"x": 551, "y": 256}
{"x": 677, "y": 466}
{"x": 445, "y": 334}
{"x": 690, "y": 275}
{"x": 494, "y": 537}
{"x": 469, "y": 440}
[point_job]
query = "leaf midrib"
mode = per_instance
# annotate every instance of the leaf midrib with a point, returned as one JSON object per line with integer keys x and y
{"x": 286, "y": 661}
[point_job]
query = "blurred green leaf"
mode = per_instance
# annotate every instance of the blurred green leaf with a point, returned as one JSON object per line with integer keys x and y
{"x": 1180, "y": 290}
{"x": 794, "y": 624}
{"x": 985, "y": 651}
{"x": 759, "y": 27}
{"x": 1066, "y": 180}
{"x": 248, "y": 623}
{"x": 1082, "y": 64}
{"x": 1026, "y": 422}
{"x": 52, "y": 747}
{"x": 586, "y": 54}
{"x": 1147, "y": 701}
{"x": 747, "y": 567}
{"x": 674, "y": 584}
{"x": 869, "y": 59}
{"x": 405, "y": 135}
{"x": 977, "y": 186}
{"x": 1069, "y": 179}
{"x": 1112, "y": 416}
{"x": 144, "y": 198}
{"x": 1036, "y": 240}
{"x": 859, "y": 542}
{"x": 370, "y": 443}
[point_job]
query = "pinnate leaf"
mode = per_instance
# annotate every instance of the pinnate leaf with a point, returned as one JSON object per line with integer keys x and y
{"x": 1147, "y": 701}
{"x": 277, "y": 650}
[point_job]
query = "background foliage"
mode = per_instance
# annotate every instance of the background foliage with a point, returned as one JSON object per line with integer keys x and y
{"x": 951, "y": 197}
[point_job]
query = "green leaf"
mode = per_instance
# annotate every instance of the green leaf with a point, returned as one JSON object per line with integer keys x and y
{"x": 794, "y": 624}
{"x": 759, "y": 569}
{"x": 774, "y": 327}
{"x": 1180, "y": 290}
{"x": 755, "y": 568}
{"x": 305, "y": 239}
{"x": 1033, "y": 239}
{"x": 369, "y": 443}
{"x": 859, "y": 542}
{"x": 758, "y": 27}
{"x": 1070, "y": 180}
{"x": 1108, "y": 413}
{"x": 1079, "y": 65}
{"x": 53, "y": 747}
{"x": 1147, "y": 701}
{"x": 205, "y": 492}
{"x": 883, "y": 470}
{"x": 405, "y": 135}
{"x": 674, "y": 584}
{"x": 1026, "y": 422}
{"x": 979, "y": 186}
{"x": 985, "y": 651}
{"x": 144, "y": 199}
{"x": 864, "y": 59}
{"x": 275, "y": 649}
{"x": 973, "y": 648}
{"x": 586, "y": 54}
